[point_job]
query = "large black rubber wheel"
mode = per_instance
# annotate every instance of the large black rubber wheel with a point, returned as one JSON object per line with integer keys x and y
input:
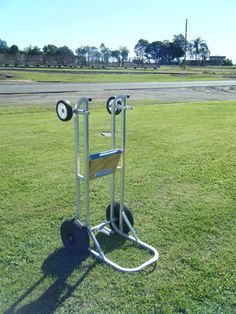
{"x": 75, "y": 237}
{"x": 109, "y": 105}
{"x": 128, "y": 214}
{"x": 64, "y": 110}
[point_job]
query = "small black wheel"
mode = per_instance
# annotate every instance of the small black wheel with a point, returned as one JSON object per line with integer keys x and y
{"x": 128, "y": 214}
{"x": 64, "y": 110}
{"x": 75, "y": 237}
{"x": 109, "y": 105}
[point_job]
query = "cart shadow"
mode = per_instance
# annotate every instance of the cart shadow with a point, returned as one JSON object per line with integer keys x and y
{"x": 111, "y": 242}
{"x": 60, "y": 264}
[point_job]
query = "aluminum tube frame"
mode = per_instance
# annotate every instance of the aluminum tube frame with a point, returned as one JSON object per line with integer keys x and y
{"x": 122, "y": 106}
{"x": 122, "y": 171}
{"x": 85, "y": 178}
{"x": 113, "y": 144}
{"x": 98, "y": 253}
{"x": 77, "y": 167}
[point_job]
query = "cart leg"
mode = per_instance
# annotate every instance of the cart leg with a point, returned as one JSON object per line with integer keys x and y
{"x": 77, "y": 167}
{"x": 122, "y": 175}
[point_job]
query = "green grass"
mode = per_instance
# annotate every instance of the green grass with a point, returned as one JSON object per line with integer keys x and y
{"x": 119, "y": 75}
{"x": 180, "y": 184}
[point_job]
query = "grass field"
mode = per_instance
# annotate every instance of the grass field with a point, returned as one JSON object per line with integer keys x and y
{"x": 162, "y": 74}
{"x": 181, "y": 186}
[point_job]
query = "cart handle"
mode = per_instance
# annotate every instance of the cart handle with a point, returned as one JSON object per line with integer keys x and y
{"x": 84, "y": 101}
{"x": 122, "y": 99}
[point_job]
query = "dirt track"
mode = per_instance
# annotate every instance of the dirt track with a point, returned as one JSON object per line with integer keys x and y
{"x": 30, "y": 93}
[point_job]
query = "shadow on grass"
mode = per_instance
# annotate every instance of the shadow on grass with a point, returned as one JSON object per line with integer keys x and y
{"x": 59, "y": 264}
{"x": 110, "y": 243}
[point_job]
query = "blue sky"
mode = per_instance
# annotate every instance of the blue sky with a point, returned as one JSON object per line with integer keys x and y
{"x": 118, "y": 23}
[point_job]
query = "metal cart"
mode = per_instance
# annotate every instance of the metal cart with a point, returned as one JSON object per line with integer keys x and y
{"x": 119, "y": 219}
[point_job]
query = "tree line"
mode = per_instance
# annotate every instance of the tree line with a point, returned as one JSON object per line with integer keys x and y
{"x": 86, "y": 54}
{"x": 168, "y": 52}
{"x": 158, "y": 52}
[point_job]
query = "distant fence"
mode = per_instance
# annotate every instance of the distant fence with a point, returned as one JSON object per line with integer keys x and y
{"x": 36, "y": 60}
{"x": 22, "y": 59}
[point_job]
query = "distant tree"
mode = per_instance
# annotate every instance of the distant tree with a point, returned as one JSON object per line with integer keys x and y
{"x": 115, "y": 54}
{"x": 163, "y": 52}
{"x": 87, "y": 51}
{"x": 124, "y": 52}
{"x": 3, "y": 46}
{"x": 155, "y": 51}
{"x": 65, "y": 55}
{"x": 178, "y": 46}
{"x": 105, "y": 53}
{"x": 204, "y": 52}
{"x": 89, "y": 54}
{"x": 94, "y": 54}
{"x": 179, "y": 40}
{"x": 170, "y": 51}
{"x": 33, "y": 50}
{"x": 81, "y": 53}
{"x": 13, "y": 50}
{"x": 65, "y": 52}
{"x": 140, "y": 49}
{"x": 227, "y": 62}
{"x": 198, "y": 49}
{"x": 50, "y": 50}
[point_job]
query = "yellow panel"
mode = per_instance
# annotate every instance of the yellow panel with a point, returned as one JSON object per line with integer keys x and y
{"x": 103, "y": 166}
